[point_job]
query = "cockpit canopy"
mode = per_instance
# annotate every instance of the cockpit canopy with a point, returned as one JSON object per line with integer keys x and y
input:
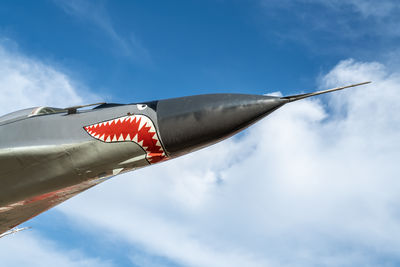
{"x": 30, "y": 112}
{"x": 45, "y": 110}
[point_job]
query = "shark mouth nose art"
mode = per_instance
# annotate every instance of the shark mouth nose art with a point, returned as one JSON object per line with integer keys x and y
{"x": 133, "y": 128}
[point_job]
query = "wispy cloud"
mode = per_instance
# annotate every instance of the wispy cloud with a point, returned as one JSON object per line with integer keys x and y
{"x": 95, "y": 12}
{"x": 302, "y": 188}
{"x": 30, "y": 249}
{"x": 367, "y": 8}
{"x": 336, "y": 25}
{"x": 26, "y": 82}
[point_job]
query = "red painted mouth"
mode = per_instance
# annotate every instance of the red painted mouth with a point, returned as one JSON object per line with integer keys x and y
{"x": 135, "y": 128}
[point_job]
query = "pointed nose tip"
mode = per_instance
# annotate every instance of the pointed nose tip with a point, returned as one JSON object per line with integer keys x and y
{"x": 190, "y": 123}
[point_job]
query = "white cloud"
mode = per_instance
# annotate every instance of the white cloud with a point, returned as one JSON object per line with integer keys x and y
{"x": 304, "y": 187}
{"x": 27, "y": 82}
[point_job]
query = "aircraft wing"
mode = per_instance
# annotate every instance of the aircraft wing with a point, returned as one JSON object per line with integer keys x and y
{"x": 17, "y": 213}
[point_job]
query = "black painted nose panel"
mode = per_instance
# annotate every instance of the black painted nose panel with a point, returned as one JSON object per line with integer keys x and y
{"x": 190, "y": 123}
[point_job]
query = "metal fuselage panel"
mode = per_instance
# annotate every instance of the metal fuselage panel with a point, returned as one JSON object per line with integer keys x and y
{"x": 46, "y": 153}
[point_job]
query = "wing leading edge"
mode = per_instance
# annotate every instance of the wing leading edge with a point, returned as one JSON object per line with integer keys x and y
{"x": 17, "y": 213}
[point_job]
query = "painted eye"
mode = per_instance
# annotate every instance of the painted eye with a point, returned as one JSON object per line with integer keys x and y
{"x": 141, "y": 106}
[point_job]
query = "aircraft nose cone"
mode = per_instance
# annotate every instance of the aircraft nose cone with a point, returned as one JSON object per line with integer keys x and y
{"x": 190, "y": 123}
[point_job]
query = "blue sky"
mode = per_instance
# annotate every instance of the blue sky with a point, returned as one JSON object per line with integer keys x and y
{"x": 129, "y": 50}
{"x": 314, "y": 184}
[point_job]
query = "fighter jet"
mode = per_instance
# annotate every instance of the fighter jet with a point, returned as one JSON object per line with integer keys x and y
{"x": 48, "y": 155}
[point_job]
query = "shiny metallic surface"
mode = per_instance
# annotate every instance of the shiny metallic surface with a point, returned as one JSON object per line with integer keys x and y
{"x": 47, "y": 159}
{"x": 48, "y": 155}
{"x": 190, "y": 123}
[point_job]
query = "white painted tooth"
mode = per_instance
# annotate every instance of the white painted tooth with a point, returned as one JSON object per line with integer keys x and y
{"x": 114, "y": 138}
{"x": 152, "y": 129}
{"x": 121, "y": 138}
{"x": 128, "y": 138}
{"x": 108, "y": 139}
{"x": 150, "y": 123}
{"x": 142, "y": 123}
{"x": 158, "y": 143}
{"x": 141, "y": 143}
{"x": 135, "y": 138}
{"x": 117, "y": 171}
{"x": 102, "y": 137}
